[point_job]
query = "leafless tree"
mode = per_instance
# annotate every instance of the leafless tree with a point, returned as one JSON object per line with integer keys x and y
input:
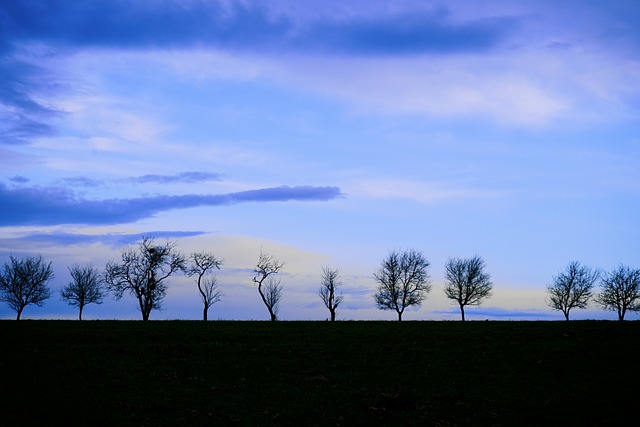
{"x": 202, "y": 266}
{"x": 402, "y": 281}
{"x": 620, "y": 291}
{"x": 328, "y": 288}
{"x": 572, "y": 288}
{"x": 143, "y": 273}
{"x": 271, "y": 291}
{"x": 84, "y": 288}
{"x": 23, "y": 282}
{"x": 273, "y": 295}
{"x": 466, "y": 281}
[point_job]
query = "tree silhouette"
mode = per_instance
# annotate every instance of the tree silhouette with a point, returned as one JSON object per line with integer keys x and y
{"x": 572, "y": 288}
{"x": 202, "y": 266}
{"x": 620, "y": 291}
{"x": 143, "y": 272}
{"x": 402, "y": 281}
{"x": 84, "y": 288}
{"x": 466, "y": 281}
{"x": 327, "y": 291}
{"x": 270, "y": 291}
{"x": 23, "y": 282}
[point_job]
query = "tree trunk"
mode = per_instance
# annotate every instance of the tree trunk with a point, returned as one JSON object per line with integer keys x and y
{"x": 333, "y": 315}
{"x": 205, "y": 313}
{"x": 566, "y": 316}
{"x": 462, "y": 312}
{"x": 621, "y": 314}
{"x": 19, "y": 313}
{"x": 80, "y": 314}
{"x": 399, "y": 316}
{"x": 273, "y": 316}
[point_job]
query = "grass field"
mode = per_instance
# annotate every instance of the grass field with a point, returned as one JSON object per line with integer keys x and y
{"x": 319, "y": 373}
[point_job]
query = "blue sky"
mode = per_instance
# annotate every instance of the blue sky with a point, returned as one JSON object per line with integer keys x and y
{"x": 327, "y": 133}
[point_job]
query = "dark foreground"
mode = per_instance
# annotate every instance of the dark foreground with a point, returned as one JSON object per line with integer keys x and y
{"x": 319, "y": 373}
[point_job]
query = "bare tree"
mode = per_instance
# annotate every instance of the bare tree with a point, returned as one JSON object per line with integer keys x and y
{"x": 84, "y": 288}
{"x": 402, "y": 281}
{"x": 572, "y": 288}
{"x": 328, "y": 288}
{"x": 466, "y": 281}
{"x": 270, "y": 292}
{"x": 143, "y": 272}
{"x": 23, "y": 282}
{"x": 273, "y": 295}
{"x": 202, "y": 266}
{"x": 620, "y": 291}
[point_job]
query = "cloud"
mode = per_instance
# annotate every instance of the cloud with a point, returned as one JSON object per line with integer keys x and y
{"x": 32, "y": 30}
{"x": 53, "y": 206}
{"x": 19, "y": 179}
{"x": 239, "y": 25}
{"x": 22, "y": 113}
{"x": 56, "y": 239}
{"x": 183, "y": 177}
{"x": 180, "y": 178}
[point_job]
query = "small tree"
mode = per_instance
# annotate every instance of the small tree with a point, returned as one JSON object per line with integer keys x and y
{"x": 202, "y": 266}
{"x": 84, "y": 288}
{"x": 273, "y": 295}
{"x": 572, "y": 288}
{"x": 620, "y": 291}
{"x": 466, "y": 281}
{"x": 327, "y": 291}
{"x": 23, "y": 282}
{"x": 271, "y": 291}
{"x": 143, "y": 272}
{"x": 402, "y": 281}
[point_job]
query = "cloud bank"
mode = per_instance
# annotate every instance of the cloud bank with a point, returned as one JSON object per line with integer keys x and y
{"x": 32, "y": 29}
{"x": 54, "y": 206}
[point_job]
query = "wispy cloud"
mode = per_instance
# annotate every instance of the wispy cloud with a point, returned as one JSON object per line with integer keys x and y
{"x": 180, "y": 178}
{"x": 52, "y": 205}
{"x": 59, "y": 238}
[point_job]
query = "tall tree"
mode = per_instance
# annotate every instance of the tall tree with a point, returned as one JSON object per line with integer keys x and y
{"x": 84, "y": 288}
{"x": 23, "y": 282}
{"x": 620, "y": 291}
{"x": 402, "y": 281}
{"x": 270, "y": 291}
{"x": 466, "y": 282}
{"x": 329, "y": 285}
{"x": 572, "y": 288}
{"x": 143, "y": 272}
{"x": 202, "y": 265}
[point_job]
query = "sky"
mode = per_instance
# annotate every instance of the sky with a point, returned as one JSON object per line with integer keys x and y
{"x": 326, "y": 133}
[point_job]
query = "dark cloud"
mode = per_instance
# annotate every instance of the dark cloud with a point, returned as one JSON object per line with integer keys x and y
{"x": 65, "y": 26}
{"x": 170, "y": 24}
{"x": 24, "y": 116}
{"x": 19, "y": 179}
{"x": 53, "y": 206}
{"x": 416, "y": 33}
{"x": 148, "y": 24}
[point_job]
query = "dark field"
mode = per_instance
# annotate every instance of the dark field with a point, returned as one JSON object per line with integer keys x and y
{"x": 319, "y": 373}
